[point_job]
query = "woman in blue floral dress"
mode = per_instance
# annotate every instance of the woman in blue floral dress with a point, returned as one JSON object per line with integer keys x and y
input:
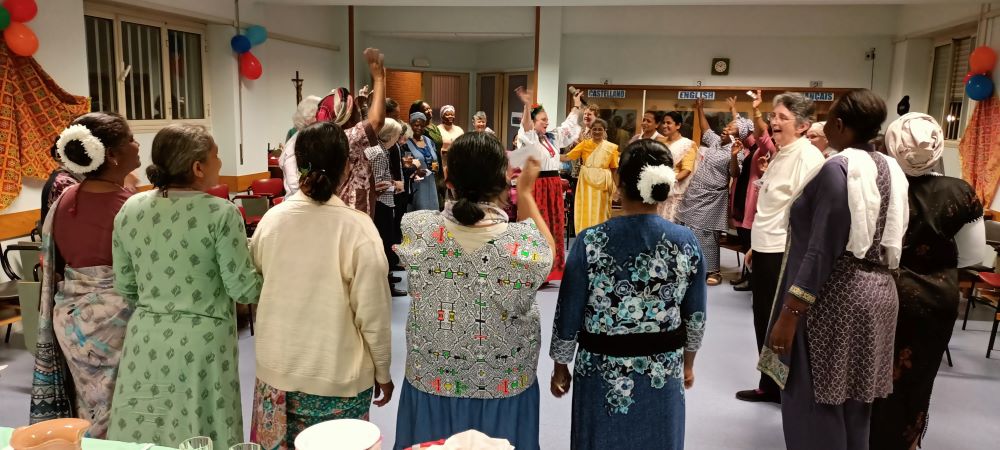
{"x": 633, "y": 301}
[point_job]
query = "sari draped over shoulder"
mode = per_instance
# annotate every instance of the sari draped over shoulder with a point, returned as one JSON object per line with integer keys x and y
{"x": 596, "y": 186}
{"x": 80, "y": 339}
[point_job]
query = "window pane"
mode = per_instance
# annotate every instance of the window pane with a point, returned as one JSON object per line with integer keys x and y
{"x": 101, "y": 64}
{"x": 187, "y": 96}
{"x": 940, "y": 82}
{"x": 144, "y": 84}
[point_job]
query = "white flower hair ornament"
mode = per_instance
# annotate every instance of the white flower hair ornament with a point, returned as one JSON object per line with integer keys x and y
{"x": 91, "y": 145}
{"x": 652, "y": 176}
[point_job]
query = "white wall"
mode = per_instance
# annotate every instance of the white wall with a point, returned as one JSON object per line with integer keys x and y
{"x": 506, "y": 55}
{"x": 399, "y": 54}
{"x": 480, "y": 19}
{"x": 917, "y": 20}
{"x": 744, "y": 22}
{"x": 268, "y": 102}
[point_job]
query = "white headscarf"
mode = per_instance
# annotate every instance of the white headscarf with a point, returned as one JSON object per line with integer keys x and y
{"x": 864, "y": 200}
{"x": 447, "y": 108}
{"x": 916, "y": 141}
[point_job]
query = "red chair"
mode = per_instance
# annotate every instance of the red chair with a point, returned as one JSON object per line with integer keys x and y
{"x": 277, "y": 201}
{"x": 267, "y": 187}
{"x": 992, "y": 279}
{"x": 258, "y": 199}
{"x": 219, "y": 190}
{"x": 274, "y": 168}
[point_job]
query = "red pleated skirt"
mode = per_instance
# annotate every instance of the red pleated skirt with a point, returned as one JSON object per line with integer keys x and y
{"x": 549, "y": 196}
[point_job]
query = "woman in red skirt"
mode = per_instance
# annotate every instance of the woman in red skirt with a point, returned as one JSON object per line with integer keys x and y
{"x": 534, "y": 140}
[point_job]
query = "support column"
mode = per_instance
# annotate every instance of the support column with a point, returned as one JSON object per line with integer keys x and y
{"x": 910, "y": 75}
{"x": 548, "y": 91}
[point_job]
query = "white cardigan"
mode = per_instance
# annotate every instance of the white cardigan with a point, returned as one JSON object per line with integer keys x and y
{"x": 325, "y": 308}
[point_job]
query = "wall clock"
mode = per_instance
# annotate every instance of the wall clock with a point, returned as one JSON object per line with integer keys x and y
{"x": 720, "y": 66}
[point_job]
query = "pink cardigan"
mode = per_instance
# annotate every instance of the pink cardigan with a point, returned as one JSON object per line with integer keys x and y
{"x": 765, "y": 145}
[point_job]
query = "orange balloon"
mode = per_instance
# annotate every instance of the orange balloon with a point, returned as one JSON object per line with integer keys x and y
{"x": 20, "y": 39}
{"x": 982, "y": 60}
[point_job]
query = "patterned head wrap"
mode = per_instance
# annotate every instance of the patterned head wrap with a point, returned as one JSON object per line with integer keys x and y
{"x": 336, "y": 107}
{"x": 447, "y": 108}
{"x": 744, "y": 127}
{"x": 916, "y": 141}
{"x": 418, "y": 116}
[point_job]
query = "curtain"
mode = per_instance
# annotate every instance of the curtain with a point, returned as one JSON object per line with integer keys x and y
{"x": 33, "y": 111}
{"x": 980, "y": 150}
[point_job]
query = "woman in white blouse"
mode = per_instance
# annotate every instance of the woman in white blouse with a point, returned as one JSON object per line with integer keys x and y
{"x": 535, "y": 142}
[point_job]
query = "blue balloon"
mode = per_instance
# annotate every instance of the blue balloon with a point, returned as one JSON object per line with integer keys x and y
{"x": 979, "y": 87}
{"x": 240, "y": 44}
{"x": 257, "y": 35}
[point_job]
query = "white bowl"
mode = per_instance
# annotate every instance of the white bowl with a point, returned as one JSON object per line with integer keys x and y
{"x": 341, "y": 434}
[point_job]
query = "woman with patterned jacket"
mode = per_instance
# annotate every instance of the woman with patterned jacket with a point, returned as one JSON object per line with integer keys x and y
{"x": 473, "y": 332}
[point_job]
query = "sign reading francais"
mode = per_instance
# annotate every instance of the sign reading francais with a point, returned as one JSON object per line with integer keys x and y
{"x": 606, "y": 93}
{"x": 820, "y": 96}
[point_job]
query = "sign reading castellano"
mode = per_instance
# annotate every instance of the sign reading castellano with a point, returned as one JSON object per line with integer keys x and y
{"x": 606, "y": 93}
{"x": 694, "y": 95}
{"x": 820, "y": 96}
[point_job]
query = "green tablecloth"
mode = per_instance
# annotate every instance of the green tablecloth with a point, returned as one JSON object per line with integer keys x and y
{"x": 88, "y": 444}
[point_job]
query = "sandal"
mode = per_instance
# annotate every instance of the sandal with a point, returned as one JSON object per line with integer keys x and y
{"x": 714, "y": 279}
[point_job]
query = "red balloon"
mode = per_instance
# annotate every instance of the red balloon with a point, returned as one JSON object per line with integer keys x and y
{"x": 250, "y": 66}
{"x": 982, "y": 60}
{"x": 20, "y": 39}
{"x": 21, "y": 10}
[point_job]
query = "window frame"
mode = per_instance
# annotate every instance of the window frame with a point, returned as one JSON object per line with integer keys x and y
{"x": 117, "y": 16}
{"x": 951, "y": 39}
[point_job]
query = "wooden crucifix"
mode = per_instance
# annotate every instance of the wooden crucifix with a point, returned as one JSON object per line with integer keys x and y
{"x": 298, "y": 88}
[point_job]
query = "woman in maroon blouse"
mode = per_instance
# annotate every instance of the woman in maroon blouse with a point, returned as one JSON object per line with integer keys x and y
{"x": 83, "y": 317}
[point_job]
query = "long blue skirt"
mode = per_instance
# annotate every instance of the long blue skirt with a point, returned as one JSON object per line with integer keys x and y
{"x": 424, "y": 417}
{"x": 654, "y": 420}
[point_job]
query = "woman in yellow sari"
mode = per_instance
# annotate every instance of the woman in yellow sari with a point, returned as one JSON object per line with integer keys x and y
{"x": 597, "y": 183}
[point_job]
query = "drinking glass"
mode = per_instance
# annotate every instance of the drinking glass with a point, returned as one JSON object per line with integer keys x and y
{"x": 245, "y": 446}
{"x": 196, "y": 443}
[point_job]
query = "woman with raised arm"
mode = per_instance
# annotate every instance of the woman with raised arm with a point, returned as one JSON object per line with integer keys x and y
{"x": 358, "y": 189}
{"x": 704, "y": 207}
{"x": 473, "y": 332}
{"x": 534, "y": 141}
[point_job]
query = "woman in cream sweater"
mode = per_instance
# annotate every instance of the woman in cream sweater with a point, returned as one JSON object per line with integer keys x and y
{"x": 323, "y": 339}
